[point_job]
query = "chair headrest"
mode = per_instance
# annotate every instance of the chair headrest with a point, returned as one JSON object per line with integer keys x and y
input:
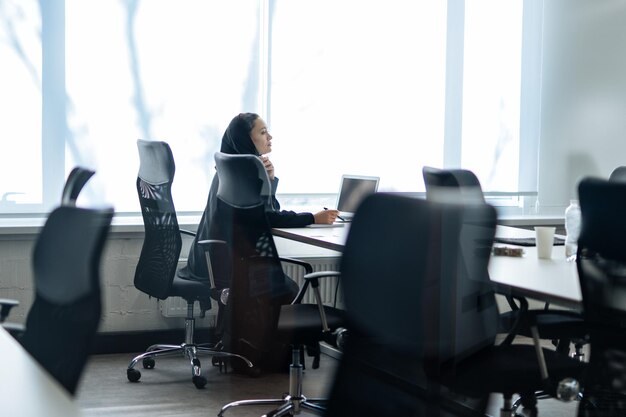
{"x": 447, "y": 185}
{"x": 618, "y": 174}
{"x": 75, "y": 182}
{"x": 243, "y": 180}
{"x": 156, "y": 162}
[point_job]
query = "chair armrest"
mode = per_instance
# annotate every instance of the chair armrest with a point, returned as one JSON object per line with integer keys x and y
{"x": 217, "y": 274}
{"x": 522, "y": 313}
{"x": 308, "y": 268}
{"x": 6, "y": 305}
{"x": 313, "y": 280}
{"x": 321, "y": 274}
{"x": 14, "y": 329}
{"x": 187, "y": 232}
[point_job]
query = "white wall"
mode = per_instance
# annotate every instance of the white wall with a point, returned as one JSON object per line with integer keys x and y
{"x": 583, "y": 128}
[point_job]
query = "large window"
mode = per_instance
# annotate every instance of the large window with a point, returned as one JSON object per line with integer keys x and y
{"x": 20, "y": 105}
{"x": 358, "y": 87}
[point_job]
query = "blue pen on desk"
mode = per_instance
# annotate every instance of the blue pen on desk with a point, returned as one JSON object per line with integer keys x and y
{"x": 338, "y": 216}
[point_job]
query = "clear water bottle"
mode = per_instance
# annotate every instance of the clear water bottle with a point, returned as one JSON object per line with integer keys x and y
{"x": 572, "y": 228}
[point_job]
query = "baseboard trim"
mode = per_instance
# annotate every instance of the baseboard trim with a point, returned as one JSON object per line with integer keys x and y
{"x": 138, "y": 341}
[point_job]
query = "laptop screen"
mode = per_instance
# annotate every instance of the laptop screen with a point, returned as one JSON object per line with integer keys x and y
{"x": 354, "y": 189}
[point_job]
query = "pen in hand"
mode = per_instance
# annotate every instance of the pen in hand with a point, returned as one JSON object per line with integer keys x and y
{"x": 338, "y": 216}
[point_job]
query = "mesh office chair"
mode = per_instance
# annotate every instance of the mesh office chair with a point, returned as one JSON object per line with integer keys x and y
{"x": 259, "y": 280}
{"x": 65, "y": 315}
{"x": 437, "y": 315}
{"x": 601, "y": 263}
{"x": 155, "y": 274}
{"x": 564, "y": 326}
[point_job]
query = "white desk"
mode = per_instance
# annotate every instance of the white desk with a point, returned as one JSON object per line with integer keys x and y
{"x": 26, "y": 389}
{"x": 554, "y": 280}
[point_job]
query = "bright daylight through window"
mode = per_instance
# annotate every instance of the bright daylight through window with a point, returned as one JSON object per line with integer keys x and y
{"x": 350, "y": 87}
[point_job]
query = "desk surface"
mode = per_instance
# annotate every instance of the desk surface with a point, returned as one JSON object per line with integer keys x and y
{"x": 26, "y": 389}
{"x": 553, "y": 280}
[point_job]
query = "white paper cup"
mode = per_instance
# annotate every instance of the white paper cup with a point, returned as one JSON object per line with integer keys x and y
{"x": 545, "y": 240}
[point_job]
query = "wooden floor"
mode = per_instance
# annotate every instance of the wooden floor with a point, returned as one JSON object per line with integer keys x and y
{"x": 168, "y": 391}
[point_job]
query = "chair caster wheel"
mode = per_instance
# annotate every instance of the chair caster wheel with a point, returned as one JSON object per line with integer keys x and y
{"x": 148, "y": 363}
{"x": 199, "y": 381}
{"x": 133, "y": 375}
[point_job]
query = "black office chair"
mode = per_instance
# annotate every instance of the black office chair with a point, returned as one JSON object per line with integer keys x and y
{"x": 259, "y": 281}
{"x": 560, "y": 326}
{"x": 76, "y": 180}
{"x": 601, "y": 263}
{"x": 74, "y": 183}
{"x": 65, "y": 315}
{"x": 437, "y": 317}
{"x": 155, "y": 274}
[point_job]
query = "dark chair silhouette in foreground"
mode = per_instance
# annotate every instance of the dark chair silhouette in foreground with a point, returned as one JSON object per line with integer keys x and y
{"x": 431, "y": 341}
{"x": 259, "y": 281}
{"x": 65, "y": 315}
{"x": 74, "y": 183}
{"x": 560, "y": 326}
{"x": 155, "y": 274}
{"x": 76, "y": 180}
{"x": 601, "y": 263}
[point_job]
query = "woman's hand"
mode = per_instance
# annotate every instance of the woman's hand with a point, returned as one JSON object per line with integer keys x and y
{"x": 269, "y": 167}
{"x": 326, "y": 217}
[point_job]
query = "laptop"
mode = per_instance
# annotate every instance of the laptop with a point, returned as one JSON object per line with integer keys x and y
{"x": 353, "y": 189}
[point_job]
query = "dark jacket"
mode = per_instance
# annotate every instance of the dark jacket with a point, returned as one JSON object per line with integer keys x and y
{"x": 236, "y": 141}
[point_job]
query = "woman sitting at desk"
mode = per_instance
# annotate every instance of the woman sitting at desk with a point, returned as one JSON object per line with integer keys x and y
{"x": 247, "y": 134}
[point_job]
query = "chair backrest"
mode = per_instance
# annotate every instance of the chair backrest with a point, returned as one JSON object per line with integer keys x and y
{"x": 601, "y": 263}
{"x": 75, "y": 182}
{"x": 257, "y": 275}
{"x": 162, "y": 241}
{"x": 618, "y": 174}
{"x": 446, "y": 184}
{"x": 66, "y": 312}
{"x": 417, "y": 298}
{"x": 243, "y": 180}
{"x": 427, "y": 262}
{"x": 601, "y": 259}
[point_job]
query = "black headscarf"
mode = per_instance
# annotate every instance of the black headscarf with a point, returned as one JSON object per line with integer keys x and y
{"x": 236, "y": 139}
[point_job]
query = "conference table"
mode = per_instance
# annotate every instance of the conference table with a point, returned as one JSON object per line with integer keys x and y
{"x": 26, "y": 389}
{"x": 552, "y": 280}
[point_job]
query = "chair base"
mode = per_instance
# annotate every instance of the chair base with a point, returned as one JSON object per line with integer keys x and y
{"x": 293, "y": 402}
{"x": 290, "y": 405}
{"x": 188, "y": 349}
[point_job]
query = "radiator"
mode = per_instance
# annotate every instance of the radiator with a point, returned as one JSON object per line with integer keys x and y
{"x": 328, "y": 286}
{"x": 177, "y": 307}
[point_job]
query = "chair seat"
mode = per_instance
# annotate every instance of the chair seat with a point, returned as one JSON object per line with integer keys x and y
{"x": 508, "y": 369}
{"x": 301, "y": 323}
{"x": 551, "y": 324}
{"x": 190, "y": 290}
